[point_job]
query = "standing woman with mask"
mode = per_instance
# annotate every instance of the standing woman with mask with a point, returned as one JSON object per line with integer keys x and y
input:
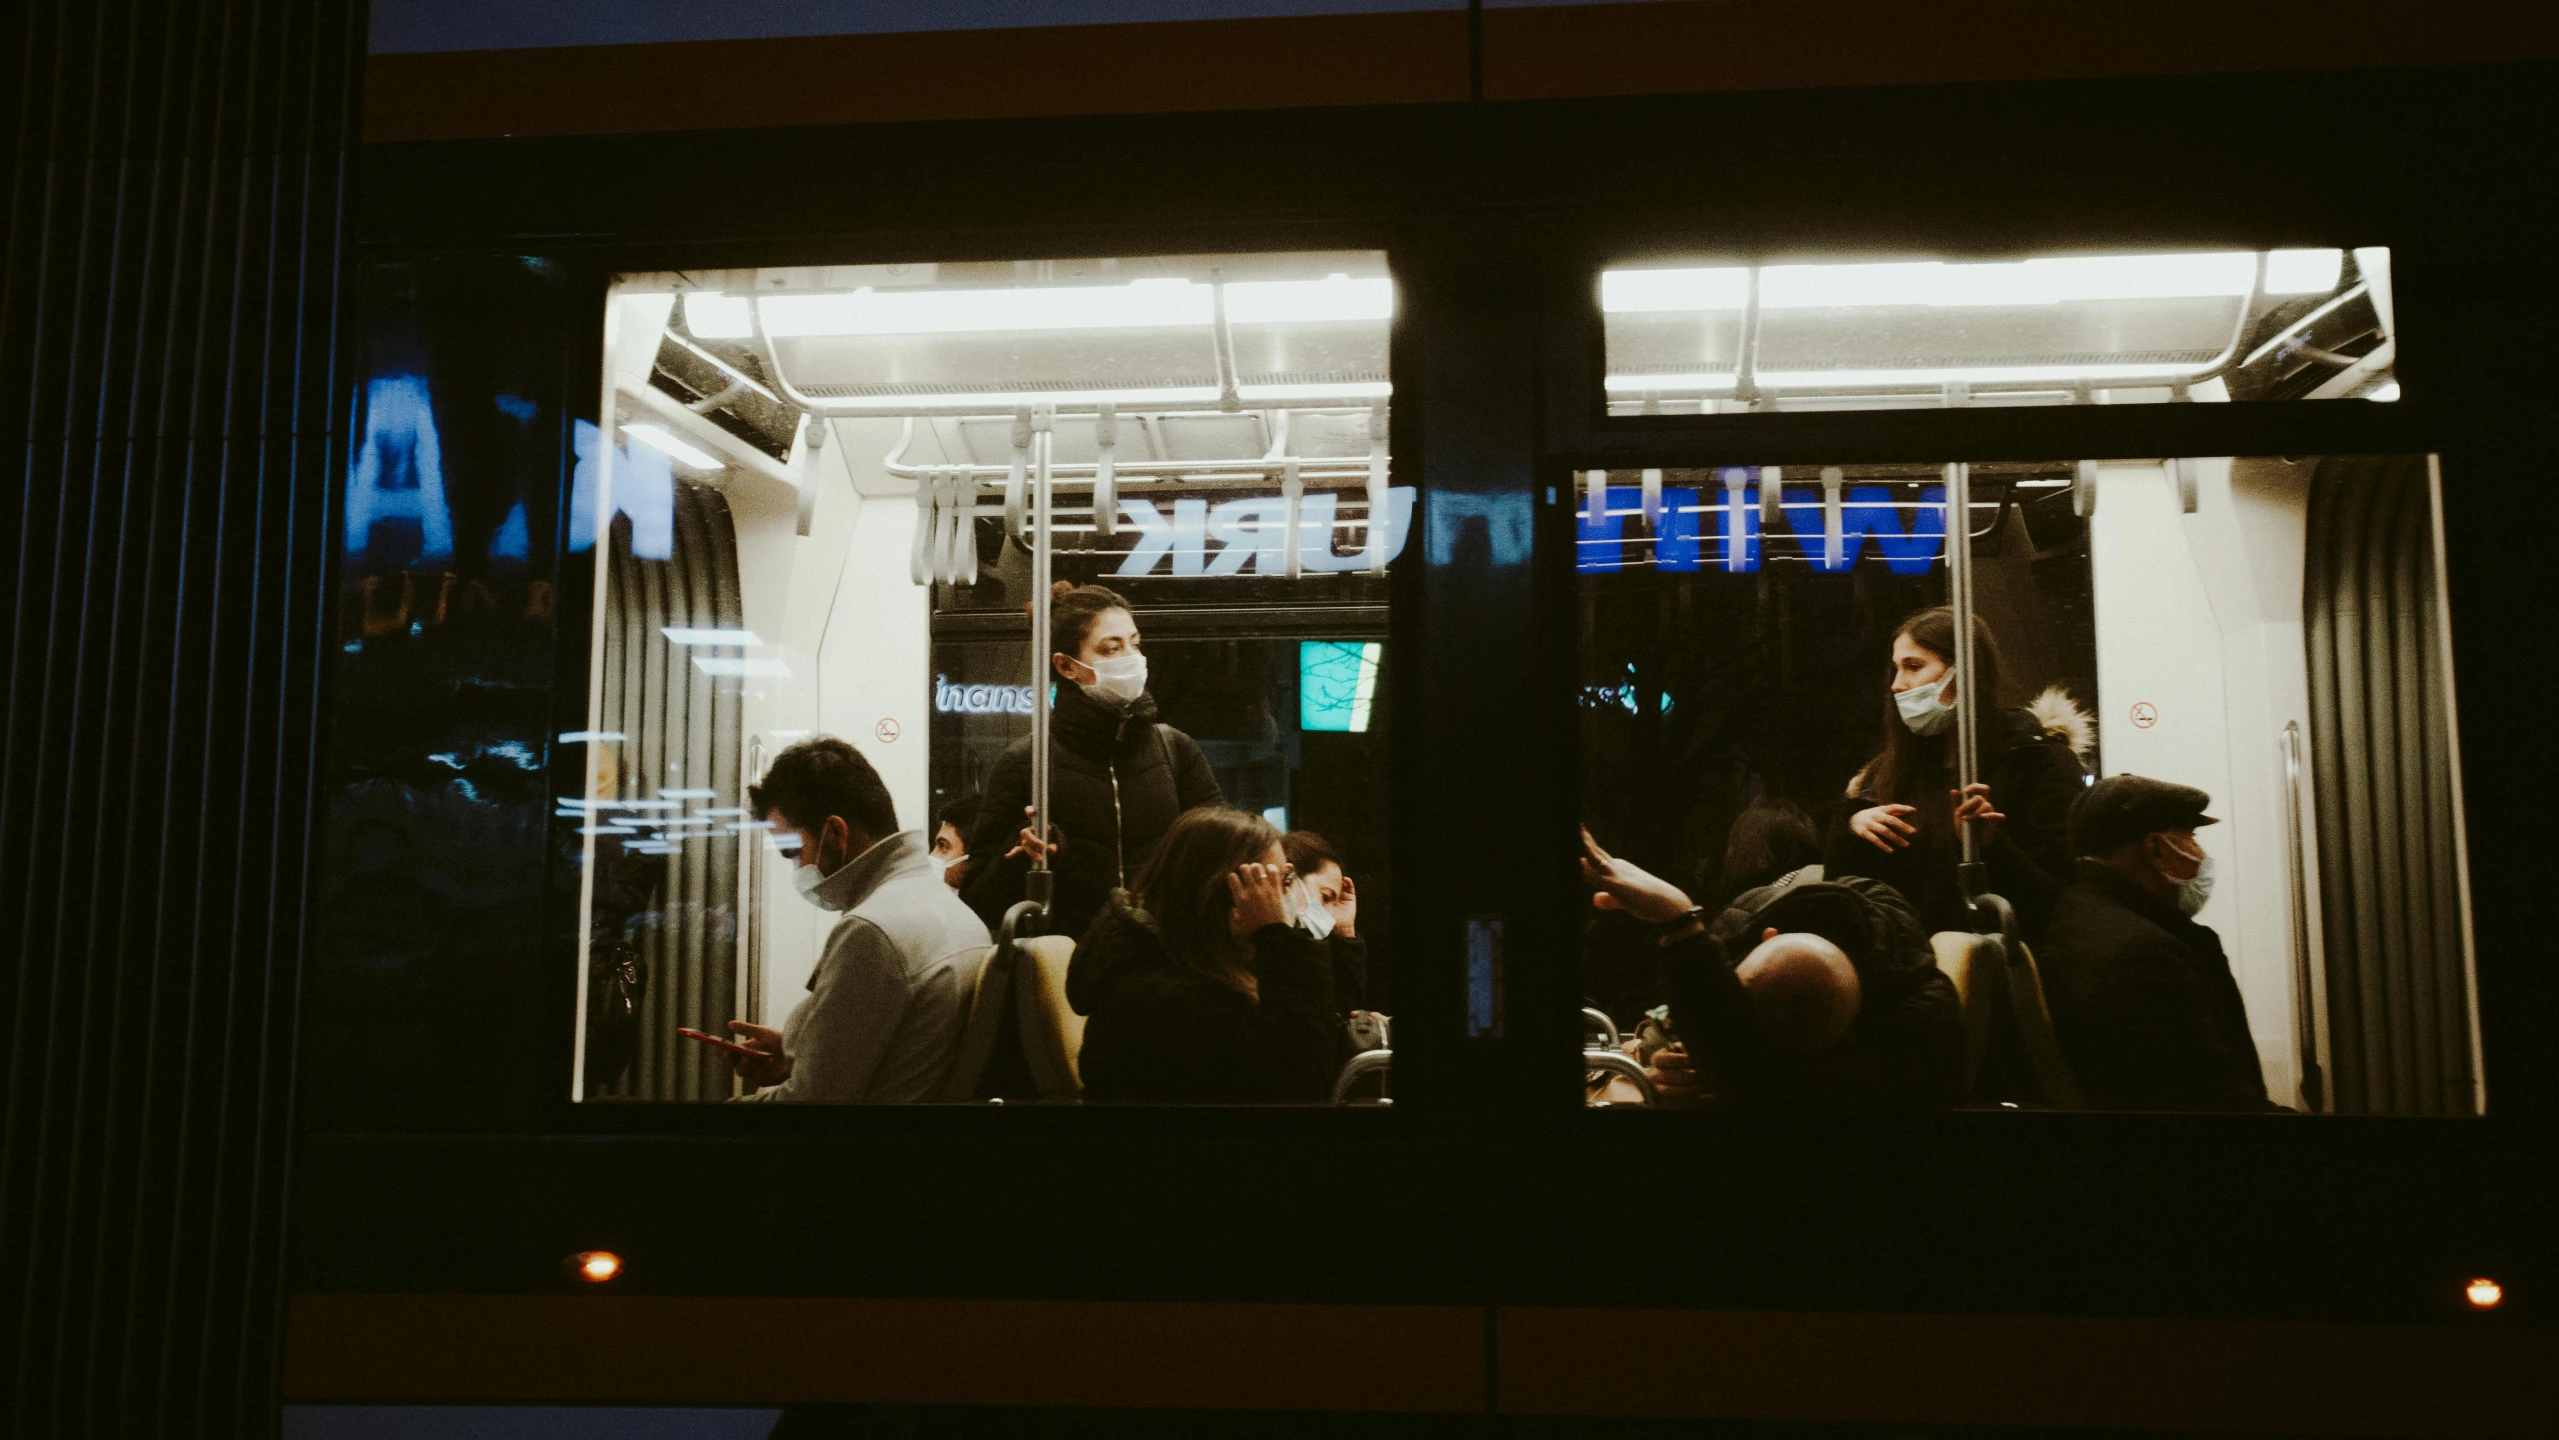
{"x": 1899, "y": 822}
{"x": 1118, "y": 777}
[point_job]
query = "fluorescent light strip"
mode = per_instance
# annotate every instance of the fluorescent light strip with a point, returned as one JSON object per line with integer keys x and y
{"x": 1008, "y": 401}
{"x": 689, "y": 635}
{"x": 1935, "y": 283}
{"x": 581, "y": 737}
{"x": 1978, "y": 375}
{"x": 1348, "y": 390}
{"x": 658, "y": 437}
{"x": 1142, "y": 304}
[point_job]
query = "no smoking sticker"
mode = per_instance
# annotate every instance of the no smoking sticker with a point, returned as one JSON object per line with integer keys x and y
{"x": 887, "y": 731}
{"x": 2144, "y": 715}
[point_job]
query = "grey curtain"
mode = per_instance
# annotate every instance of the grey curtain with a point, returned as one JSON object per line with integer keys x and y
{"x": 2381, "y": 746}
{"x": 682, "y": 735}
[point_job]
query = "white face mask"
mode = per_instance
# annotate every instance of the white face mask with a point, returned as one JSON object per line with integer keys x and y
{"x": 1298, "y": 906}
{"x": 806, "y": 879}
{"x": 1118, "y": 681}
{"x": 945, "y": 862}
{"x": 2195, "y": 889}
{"x": 1920, "y": 708}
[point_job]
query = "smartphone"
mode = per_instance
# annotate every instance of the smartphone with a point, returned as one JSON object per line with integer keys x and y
{"x": 731, "y": 1046}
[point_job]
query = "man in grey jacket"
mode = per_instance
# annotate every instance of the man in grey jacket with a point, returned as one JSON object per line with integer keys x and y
{"x": 887, "y": 1000}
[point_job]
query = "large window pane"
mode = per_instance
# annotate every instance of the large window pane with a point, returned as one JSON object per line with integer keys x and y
{"x": 2267, "y": 633}
{"x": 821, "y": 503}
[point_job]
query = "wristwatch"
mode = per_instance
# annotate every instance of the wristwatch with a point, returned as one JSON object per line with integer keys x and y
{"x": 1693, "y": 915}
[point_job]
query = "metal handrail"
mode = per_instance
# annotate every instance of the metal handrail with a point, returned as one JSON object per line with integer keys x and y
{"x": 1599, "y": 1021}
{"x": 1366, "y": 1062}
{"x": 1623, "y": 1067}
{"x": 2314, "y": 1085}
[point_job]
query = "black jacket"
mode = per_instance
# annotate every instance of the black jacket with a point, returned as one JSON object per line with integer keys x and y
{"x": 1117, "y": 780}
{"x": 2143, "y": 1002}
{"x": 1159, "y": 1031}
{"x": 2034, "y": 776}
{"x": 1908, "y": 1045}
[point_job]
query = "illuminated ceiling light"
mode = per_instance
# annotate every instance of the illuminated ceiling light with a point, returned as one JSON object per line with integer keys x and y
{"x": 688, "y": 635}
{"x": 581, "y": 737}
{"x": 713, "y": 316}
{"x": 2484, "y": 1294}
{"x": 1333, "y": 298}
{"x": 2388, "y": 391}
{"x": 1142, "y": 304}
{"x": 658, "y": 437}
{"x": 594, "y": 1266}
{"x": 2050, "y": 281}
{"x": 2303, "y": 272}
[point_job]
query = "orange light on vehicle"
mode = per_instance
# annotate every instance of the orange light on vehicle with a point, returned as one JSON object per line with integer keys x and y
{"x": 2484, "y": 1294}
{"x": 595, "y": 1266}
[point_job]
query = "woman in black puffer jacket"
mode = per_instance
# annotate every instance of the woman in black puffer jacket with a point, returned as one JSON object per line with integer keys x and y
{"x": 1199, "y": 987}
{"x": 1117, "y": 776}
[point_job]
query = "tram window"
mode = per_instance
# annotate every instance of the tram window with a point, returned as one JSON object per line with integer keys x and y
{"x": 1719, "y": 338}
{"x": 829, "y": 503}
{"x": 2215, "y": 688}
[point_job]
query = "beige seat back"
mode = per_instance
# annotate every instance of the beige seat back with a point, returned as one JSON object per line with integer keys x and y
{"x": 1972, "y": 963}
{"x": 1052, "y": 1033}
{"x": 2042, "y": 1071}
{"x": 981, "y": 1025}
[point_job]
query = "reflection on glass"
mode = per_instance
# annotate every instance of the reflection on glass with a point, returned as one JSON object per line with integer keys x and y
{"x": 2054, "y": 330}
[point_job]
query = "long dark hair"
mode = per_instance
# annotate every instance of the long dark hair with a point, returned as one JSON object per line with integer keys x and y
{"x": 1183, "y": 889}
{"x": 1918, "y": 770}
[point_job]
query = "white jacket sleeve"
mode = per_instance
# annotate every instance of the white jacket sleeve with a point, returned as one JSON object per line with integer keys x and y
{"x": 838, "y": 1035}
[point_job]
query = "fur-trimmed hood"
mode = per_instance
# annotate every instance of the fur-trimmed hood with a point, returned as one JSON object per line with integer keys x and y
{"x": 2061, "y": 717}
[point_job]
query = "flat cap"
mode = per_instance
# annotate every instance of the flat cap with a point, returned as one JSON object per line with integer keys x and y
{"x": 2123, "y": 808}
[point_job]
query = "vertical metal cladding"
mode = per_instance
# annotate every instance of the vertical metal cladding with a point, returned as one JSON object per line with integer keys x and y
{"x": 2398, "y": 1011}
{"x": 170, "y": 401}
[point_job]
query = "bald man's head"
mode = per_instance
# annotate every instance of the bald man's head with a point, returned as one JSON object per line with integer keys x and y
{"x": 1803, "y": 989}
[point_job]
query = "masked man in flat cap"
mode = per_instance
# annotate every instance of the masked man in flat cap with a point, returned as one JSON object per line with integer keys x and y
{"x": 2142, "y": 997}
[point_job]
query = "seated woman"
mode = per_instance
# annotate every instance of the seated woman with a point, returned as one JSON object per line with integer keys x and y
{"x": 1199, "y": 986}
{"x": 1332, "y": 913}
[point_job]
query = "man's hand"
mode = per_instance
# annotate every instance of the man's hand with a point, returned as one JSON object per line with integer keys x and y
{"x": 768, "y": 1066}
{"x": 1623, "y": 885}
{"x": 1973, "y": 803}
{"x": 1256, "y": 888}
{"x": 1674, "y": 1077}
{"x": 1031, "y": 845}
{"x": 1886, "y": 827}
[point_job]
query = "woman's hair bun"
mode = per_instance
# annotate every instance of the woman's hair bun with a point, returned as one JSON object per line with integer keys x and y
{"x": 1060, "y": 588}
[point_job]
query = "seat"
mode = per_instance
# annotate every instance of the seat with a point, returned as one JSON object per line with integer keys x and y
{"x": 1971, "y": 962}
{"x": 981, "y": 1026}
{"x": 1052, "y": 1033}
{"x": 2043, "y": 1071}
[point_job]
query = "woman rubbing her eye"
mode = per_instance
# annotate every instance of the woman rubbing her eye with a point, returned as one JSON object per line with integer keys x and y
{"x": 1200, "y": 984}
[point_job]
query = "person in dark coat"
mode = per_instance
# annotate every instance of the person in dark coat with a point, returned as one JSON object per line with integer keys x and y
{"x": 2144, "y": 1006}
{"x": 1804, "y": 992}
{"x": 1330, "y": 889}
{"x": 1899, "y": 824}
{"x": 1117, "y": 775}
{"x": 1201, "y": 987}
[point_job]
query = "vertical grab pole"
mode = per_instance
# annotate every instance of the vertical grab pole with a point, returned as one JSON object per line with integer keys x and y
{"x": 1040, "y": 887}
{"x": 1377, "y": 496}
{"x": 2305, "y": 1015}
{"x": 1959, "y": 586}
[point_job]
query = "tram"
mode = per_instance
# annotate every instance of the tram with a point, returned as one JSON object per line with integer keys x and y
{"x": 1502, "y": 513}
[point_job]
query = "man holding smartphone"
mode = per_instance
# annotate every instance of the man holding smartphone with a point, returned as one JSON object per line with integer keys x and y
{"x": 887, "y": 1000}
